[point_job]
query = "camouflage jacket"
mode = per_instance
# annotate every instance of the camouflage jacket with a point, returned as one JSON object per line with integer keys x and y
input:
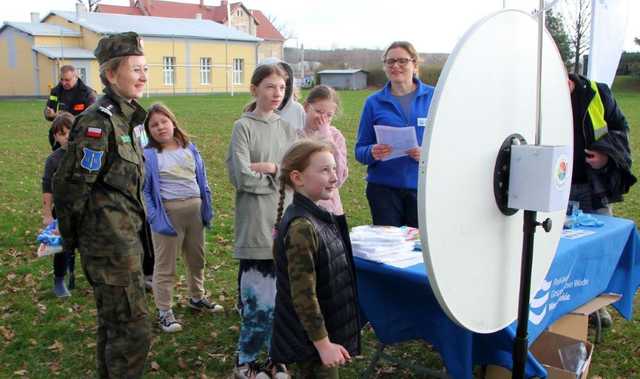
{"x": 97, "y": 188}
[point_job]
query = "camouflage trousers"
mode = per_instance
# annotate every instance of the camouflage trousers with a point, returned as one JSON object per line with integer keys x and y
{"x": 313, "y": 370}
{"x": 123, "y": 333}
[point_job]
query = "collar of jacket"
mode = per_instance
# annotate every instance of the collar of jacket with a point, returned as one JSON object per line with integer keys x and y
{"x": 132, "y": 111}
{"x": 311, "y": 207}
{"x": 582, "y": 89}
{"x": 421, "y": 89}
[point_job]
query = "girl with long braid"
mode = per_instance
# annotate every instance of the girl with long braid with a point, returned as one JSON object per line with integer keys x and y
{"x": 317, "y": 322}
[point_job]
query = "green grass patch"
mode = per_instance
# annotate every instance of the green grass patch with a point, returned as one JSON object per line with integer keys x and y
{"x": 42, "y": 337}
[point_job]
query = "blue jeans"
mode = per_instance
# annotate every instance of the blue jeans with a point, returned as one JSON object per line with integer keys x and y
{"x": 392, "y": 206}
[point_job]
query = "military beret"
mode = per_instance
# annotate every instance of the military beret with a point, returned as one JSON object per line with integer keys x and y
{"x": 118, "y": 45}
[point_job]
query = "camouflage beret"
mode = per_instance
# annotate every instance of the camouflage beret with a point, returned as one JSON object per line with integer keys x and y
{"x": 118, "y": 45}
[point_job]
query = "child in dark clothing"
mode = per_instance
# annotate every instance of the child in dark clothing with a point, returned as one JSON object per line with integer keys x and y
{"x": 317, "y": 323}
{"x": 65, "y": 260}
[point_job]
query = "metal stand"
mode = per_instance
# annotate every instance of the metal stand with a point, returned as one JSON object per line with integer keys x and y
{"x": 521, "y": 342}
{"x": 379, "y": 354}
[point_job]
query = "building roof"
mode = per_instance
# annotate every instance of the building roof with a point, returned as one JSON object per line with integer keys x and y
{"x": 266, "y": 29}
{"x": 55, "y": 52}
{"x": 149, "y": 26}
{"x": 40, "y": 29}
{"x": 343, "y": 72}
{"x": 217, "y": 13}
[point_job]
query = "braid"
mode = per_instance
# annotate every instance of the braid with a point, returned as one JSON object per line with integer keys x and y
{"x": 276, "y": 227}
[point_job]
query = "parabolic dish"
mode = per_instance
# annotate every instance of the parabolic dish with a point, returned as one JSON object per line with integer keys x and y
{"x": 486, "y": 92}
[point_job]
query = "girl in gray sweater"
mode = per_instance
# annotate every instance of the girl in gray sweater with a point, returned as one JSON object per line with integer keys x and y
{"x": 258, "y": 141}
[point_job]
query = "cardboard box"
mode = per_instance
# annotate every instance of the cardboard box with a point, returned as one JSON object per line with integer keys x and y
{"x": 576, "y": 323}
{"x": 545, "y": 349}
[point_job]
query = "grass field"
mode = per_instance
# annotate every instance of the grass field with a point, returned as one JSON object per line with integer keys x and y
{"x": 41, "y": 336}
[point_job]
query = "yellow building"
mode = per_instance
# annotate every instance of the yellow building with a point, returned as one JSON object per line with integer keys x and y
{"x": 184, "y": 55}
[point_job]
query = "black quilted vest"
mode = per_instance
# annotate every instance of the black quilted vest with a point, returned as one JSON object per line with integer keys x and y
{"x": 335, "y": 287}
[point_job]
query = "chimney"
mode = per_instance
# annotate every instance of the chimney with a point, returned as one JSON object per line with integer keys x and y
{"x": 201, "y": 3}
{"x": 81, "y": 11}
{"x": 198, "y": 16}
{"x": 35, "y": 17}
{"x": 132, "y": 3}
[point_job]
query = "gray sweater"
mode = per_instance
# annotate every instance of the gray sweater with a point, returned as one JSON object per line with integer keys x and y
{"x": 253, "y": 140}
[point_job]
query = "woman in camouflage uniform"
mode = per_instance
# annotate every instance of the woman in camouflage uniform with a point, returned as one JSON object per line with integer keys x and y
{"x": 97, "y": 192}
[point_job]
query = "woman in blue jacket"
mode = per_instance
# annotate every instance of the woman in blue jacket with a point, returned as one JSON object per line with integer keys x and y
{"x": 403, "y": 102}
{"x": 178, "y": 203}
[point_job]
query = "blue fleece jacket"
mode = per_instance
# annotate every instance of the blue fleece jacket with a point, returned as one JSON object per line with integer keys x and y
{"x": 382, "y": 108}
{"x": 156, "y": 214}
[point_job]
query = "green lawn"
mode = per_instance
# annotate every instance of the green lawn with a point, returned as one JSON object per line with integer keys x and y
{"x": 41, "y": 336}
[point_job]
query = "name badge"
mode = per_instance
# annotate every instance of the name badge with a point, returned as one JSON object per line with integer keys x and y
{"x": 422, "y": 121}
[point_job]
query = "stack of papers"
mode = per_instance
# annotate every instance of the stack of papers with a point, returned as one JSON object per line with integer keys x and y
{"x": 394, "y": 246}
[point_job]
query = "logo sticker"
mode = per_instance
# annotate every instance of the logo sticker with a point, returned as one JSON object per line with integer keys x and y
{"x": 78, "y": 107}
{"x": 125, "y": 139}
{"x": 561, "y": 171}
{"x": 92, "y": 160}
{"x": 422, "y": 121}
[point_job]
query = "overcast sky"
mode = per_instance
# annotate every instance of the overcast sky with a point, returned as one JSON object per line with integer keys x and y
{"x": 432, "y": 25}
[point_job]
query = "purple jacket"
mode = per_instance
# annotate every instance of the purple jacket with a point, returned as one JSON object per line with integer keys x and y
{"x": 156, "y": 215}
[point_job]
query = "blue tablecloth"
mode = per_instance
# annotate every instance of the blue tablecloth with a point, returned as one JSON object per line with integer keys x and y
{"x": 401, "y": 306}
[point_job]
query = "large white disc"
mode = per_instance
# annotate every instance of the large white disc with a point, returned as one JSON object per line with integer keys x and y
{"x": 487, "y": 91}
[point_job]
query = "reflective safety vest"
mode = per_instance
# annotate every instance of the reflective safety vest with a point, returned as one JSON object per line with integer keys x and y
{"x": 596, "y": 113}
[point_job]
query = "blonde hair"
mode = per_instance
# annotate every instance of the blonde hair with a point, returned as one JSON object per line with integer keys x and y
{"x": 297, "y": 158}
{"x": 180, "y": 135}
{"x": 110, "y": 65}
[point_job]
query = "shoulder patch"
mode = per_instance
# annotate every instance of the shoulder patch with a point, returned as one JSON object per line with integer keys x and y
{"x": 106, "y": 110}
{"x": 92, "y": 159}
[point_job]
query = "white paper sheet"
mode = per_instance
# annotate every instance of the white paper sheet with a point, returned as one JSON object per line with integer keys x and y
{"x": 400, "y": 139}
{"x": 573, "y": 234}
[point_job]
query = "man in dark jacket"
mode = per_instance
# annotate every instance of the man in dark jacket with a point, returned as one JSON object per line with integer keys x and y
{"x": 70, "y": 95}
{"x": 601, "y": 154}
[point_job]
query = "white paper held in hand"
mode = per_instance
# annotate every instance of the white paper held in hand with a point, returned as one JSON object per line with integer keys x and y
{"x": 400, "y": 139}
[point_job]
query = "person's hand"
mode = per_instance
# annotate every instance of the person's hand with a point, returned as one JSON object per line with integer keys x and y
{"x": 331, "y": 354}
{"x": 380, "y": 151}
{"x": 46, "y": 220}
{"x": 414, "y": 153}
{"x": 319, "y": 127}
{"x": 264, "y": 167}
{"x": 49, "y": 112}
{"x": 596, "y": 159}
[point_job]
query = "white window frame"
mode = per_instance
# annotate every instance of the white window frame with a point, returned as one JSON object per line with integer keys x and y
{"x": 205, "y": 71}
{"x": 82, "y": 74}
{"x": 238, "y": 71}
{"x": 169, "y": 70}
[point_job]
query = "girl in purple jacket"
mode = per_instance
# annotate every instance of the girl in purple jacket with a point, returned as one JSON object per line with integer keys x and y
{"x": 178, "y": 202}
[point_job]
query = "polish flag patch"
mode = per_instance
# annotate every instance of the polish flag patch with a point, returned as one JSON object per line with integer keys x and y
{"x": 94, "y": 132}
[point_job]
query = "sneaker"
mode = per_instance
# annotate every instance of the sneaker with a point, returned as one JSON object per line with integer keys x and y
{"x": 251, "y": 370}
{"x": 277, "y": 370}
{"x": 205, "y": 305}
{"x": 59, "y": 287}
{"x": 168, "y": 322}
{"x": 148, "y": 282}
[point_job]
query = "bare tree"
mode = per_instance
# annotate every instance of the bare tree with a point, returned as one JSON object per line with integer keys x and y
{"x": 579, "y": 20}
{"x": 284, "y": 29}
{"x": 91, "y": 5}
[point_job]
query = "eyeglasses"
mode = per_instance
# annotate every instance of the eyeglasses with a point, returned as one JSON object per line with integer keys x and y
{"x": 329, "y": 115}
{"x": 400, "y": 61}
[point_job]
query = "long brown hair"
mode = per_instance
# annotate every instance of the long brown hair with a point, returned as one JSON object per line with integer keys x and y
{"x": 260, "y": 74}
{"x": 297, "y": 158}
{"x": 324, "y": 92}
{"x": 181, "y": 137}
